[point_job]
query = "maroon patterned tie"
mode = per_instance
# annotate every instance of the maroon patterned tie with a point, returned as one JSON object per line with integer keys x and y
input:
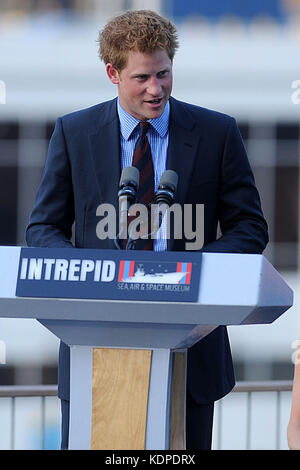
{"x": 142, "y": 160}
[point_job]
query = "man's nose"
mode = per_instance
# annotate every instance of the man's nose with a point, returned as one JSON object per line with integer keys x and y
{"x": 154, "y": 87}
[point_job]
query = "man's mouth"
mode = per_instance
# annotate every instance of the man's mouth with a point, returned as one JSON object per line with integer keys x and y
{"x": 157, "y": 101}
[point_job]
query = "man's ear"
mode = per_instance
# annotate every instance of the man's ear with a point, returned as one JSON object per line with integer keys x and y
{"x": 113, "y": 74}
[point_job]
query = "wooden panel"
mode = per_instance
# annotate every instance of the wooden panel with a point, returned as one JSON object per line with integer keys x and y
{"x": 120, "y": 398}
{"x": 177, "y": 411}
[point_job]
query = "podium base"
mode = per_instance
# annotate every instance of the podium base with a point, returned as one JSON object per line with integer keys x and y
{"x": 127, "y": 399}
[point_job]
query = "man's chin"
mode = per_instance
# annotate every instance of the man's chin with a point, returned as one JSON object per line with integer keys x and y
{"x": 144, "y": 113}
{"x": 154, "y": 113}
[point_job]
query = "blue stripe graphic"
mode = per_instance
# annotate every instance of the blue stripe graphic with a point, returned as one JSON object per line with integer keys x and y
{"x": 126, "y": 269}
{"x": 183, "y": 269}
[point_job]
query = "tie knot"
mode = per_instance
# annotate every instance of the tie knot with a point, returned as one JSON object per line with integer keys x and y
{"x": 144, "y": 126}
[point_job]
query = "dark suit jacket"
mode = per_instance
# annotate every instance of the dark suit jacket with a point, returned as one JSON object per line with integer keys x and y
{"x": 205, "y": 148}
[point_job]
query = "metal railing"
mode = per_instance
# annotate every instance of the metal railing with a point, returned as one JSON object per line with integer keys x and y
{"x": 264, "y": 386}
{"x": 251, "y": 388}
{"x": 44, "y": 391}
{"x": 15, "y": 391}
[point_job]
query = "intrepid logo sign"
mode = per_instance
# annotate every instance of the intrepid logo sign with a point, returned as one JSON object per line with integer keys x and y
{"x": 77, "y": 273}
{"x": 48, "y": 269}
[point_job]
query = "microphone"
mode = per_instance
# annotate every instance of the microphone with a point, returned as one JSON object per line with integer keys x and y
{"x": 164, "y": 197}
{"x": 128, "y": 186}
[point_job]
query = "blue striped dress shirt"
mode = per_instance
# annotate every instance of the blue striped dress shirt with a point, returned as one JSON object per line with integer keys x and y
{"x": 158, "y": 136}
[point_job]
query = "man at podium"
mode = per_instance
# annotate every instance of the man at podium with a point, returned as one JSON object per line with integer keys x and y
{"x": 146, "y": 127}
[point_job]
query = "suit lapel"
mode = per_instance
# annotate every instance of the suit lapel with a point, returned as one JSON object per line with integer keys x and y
{"x": 105, "y": 153}
{"x": 182, "y": 149}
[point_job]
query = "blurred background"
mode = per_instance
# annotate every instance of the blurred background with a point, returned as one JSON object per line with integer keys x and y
{"x": 240, "y": 58}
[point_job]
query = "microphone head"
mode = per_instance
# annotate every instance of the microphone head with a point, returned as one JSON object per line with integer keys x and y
{"x": 169, "y": 179}
{"x": 166, "y": 188}
{"x": 130, "y": 176}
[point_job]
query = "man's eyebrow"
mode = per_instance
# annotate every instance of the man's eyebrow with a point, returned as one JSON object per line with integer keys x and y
{"x": 166, "y": 69}
{"x": 141, "y": 74}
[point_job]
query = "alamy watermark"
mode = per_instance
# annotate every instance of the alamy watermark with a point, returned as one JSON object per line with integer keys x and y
{"x": 295, "y": 354}
{"x": 2, "y": 352}
{"x": 296, "y": 94}
{"x": 141, "y": 221}
{"x": 2, "y": 92}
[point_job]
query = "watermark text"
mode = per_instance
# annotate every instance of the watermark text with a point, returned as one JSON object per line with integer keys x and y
{"x": 2, "y": 352}
{"x": 2, "y": 92}
{"x": 156, "y": 221}
{"x": 296, "y": 94}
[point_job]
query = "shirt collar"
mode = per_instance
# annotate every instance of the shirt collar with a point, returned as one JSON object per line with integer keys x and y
{"x": 128, "y": 123}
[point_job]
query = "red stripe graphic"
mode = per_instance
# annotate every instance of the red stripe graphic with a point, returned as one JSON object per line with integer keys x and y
{"x": 179, "y": 269}
{"x": 131, "y": 268}
{"x": 188, "y": 274}
{"x": 121, "y": 271}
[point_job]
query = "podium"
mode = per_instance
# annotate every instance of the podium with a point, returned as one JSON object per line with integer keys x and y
{"x": 129, "y": 317}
